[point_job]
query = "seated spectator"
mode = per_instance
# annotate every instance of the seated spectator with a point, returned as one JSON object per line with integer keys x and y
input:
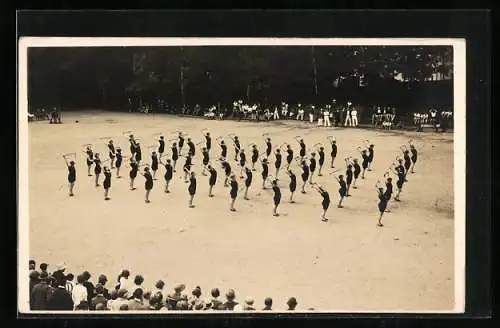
{"x": 79, "y": 293}
{"x": 100, "y": 307}
{"x": 99, "y": 298}
{"x": 155, "y": 303}
{"x": 182, "y": 306}
{"x": 292, "y": 304}
{"x": 39, "y": 293}
{"x": 102, "y": 281}
{"x": 230, "y": 302}
{"x": 175, "y": 297}
{"x": 247, "y": 306}
{"x": 146, "y": 296}
{"x": 136, "y": 303}
{"x": 195, "y": 298}
{"x": 215, "y": 303}
{"x": 83, "y": 306}
{"x": 122, "y": 298}
{"x": 268, "y": 303}
{"x": 61, "y": 299}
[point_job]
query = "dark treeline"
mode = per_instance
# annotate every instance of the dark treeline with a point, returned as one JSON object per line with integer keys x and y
{"x": 72, "y": 78}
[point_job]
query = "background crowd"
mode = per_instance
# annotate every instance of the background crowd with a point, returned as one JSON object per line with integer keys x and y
{"x": 59, "y": 290}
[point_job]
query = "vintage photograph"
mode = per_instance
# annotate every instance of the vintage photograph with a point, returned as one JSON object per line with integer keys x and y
{"x": 214, "y": 175}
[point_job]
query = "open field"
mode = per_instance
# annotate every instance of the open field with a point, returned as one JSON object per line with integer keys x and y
{"x": 346, "y": 263}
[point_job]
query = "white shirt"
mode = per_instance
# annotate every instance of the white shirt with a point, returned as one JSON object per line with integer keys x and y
{"x": 354, "y": 112}
{"x": 126, "y": 284}
{"x": 79, "y": 294}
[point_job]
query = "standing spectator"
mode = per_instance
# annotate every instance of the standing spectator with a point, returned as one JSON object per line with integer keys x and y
{"x": 292, "y": 304}
{"x": 32, "y": 265}
{"x": 99, "y": 298}
{"x": 79, "y": 293}
{"x": 354, "y": 116}
{"x": 90, "y": 287}
{"x": 102, "y": 281}
{"x": 34, "y": 279}
{"x": 136, "y": 303}
{"x": 43, "y": 268}
{"x": 195, "y": 299}
{"x": 158, "y": 289}
{"x": 300, "y": 112}
{"x": 138, "y": 280}
{"x": 348, "y": 121}
{"x": 276, "y": 115}
{"x": 69, "y": 283}
{"x": 230, "y": 303}
{"x": 268, "y": 303}
{"x": 61, "y": 299}
{"x": 123, "y": 280}
{"x": 326, "y": 116}
{"x": 39, "y": 293}
{"x": 311, "y": 113}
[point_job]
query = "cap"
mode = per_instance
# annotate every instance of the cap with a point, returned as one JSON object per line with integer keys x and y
{"x": 179, "y": 287}
{"x": 249, "y": 300}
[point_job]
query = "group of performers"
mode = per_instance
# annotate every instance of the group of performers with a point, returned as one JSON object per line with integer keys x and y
{"x": 310, "y": 161}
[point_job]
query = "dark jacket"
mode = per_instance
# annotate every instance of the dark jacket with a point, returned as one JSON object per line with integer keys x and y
{"x": 39, "y": 295}
{"x": 60, "y": 300}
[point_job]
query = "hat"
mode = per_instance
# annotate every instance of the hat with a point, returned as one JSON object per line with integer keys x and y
{"x": 159, "y": 284}
{"x": 292, "y": 301}
{"x": 179, "y": 287}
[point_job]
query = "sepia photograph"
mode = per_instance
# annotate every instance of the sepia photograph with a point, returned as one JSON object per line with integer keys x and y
{"x": 215, "y": 175}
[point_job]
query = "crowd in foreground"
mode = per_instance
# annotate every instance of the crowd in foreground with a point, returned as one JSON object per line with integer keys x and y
{"x": 60, "y": 291}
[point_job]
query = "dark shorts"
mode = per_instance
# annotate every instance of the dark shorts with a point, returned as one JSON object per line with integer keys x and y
{"x": 133, "y": 175}
{"x": 349, "y": 181}
{"x": 382, "y": 206}
{"x": 305, "y": 177}
{"x": 264, "y": 176}
{"x": 168, "y": 177}
{"x": 107, "y": 184}
{"x": 325, "y": 204}
{"x": 71, "y": 179}
{"x": 118, "y": 163}
{"x": 148, "y": 186}
{"x": 248, "y": 183}
{"x": 205, "y": 162}
{"x": 293, "y": 187}
{"x": 242, "y": 163}
{"x": 365, "y": 165}
{"x": 321, "y": 162}
{"x": 154, "y": 167}
{"x": 356, "y": 175}
{"x": 414, "y": 159}
{"x": 89, "y": 163}
{"x": 233, "y": 195}
{"x": 400, "y": 184}
{"x": 211, "y": 182}
{"x": 277, "y": 165}
{"x": 342, "y": 192}
{"x": 97, "y": 170}
{"x": 277, "y": 200}
{"x": 111, "y": 155}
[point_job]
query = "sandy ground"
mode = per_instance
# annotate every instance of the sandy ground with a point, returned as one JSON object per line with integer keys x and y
{"x": 345, "y": 264}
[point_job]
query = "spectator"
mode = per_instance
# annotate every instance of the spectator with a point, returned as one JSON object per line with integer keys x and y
{"x": 100, "y": 307}
{"x": 159, "y": 288}
{"x": 182, "y": 306}
{"x": 90, "y": 286}
{"x": 138, "y": 280}
{"x": 69, "y": 283}
{"x": 99, "y": 298}
{"x": 155, "y": 303}
{"x": 247, "y": 306}
{"x": 136, "y": 303}
{"x": 121, "y": 298}
{"x": 175, "y": 297}
{"x": 230, "y": 302}
{"x": 292, "y": 303}
{"x": 195, "y": 299}
{"x": 34, "y": 279}
{"x": 32, "y": 265}
{"x": 43, "y": 268}
{"x": 214, "y": 302}
{"x": 83, "y": 306}
{"x": 61, "y": 299}
{"x": 268, "y": 303}
{"x": 102, "y": 281}
{"x": 58, "y": 273}
{"x": 123, "y": 280}
{"x": 146, "y": 296}
{"x": 79, "y": 293}
{"x": 39, "y": 293}
{"x": 113, "y": 295}
{"x": 123, "y": 307}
